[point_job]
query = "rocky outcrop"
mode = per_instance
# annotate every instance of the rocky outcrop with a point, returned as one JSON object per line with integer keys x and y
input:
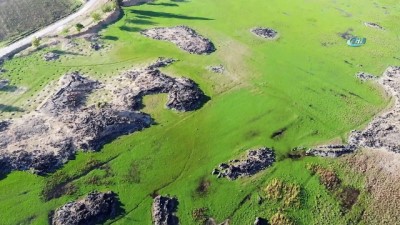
{"x": 267, "y": 33}
{"x": 43, "y": 140}
{"x": 184, "y": 37}
{"x": 51, "y": 56}
{"x": 4, "y": 83}
{"x": 93, "y": 209}
{"x": 373, "y": 25}
{"x": 255, "y": 161}
{"x": 183, "y": 94}
{"x": 217, "y": 69}
{"x": 163, "y": 211}
{"x": 382, "y": 132}
{"x": 365, "y": 76}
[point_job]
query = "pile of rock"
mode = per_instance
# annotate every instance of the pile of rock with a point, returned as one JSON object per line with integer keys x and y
{"x": 255, "y": 161}
{"x": 164, "y": 209}
{"x": 332, "y": 151}
{"x": 51, "y": 56}
{"x": 95, "y": 46}
{"x": 184, "y": 37}
{"x": 373, "y": 25}
{"x": 217, "y": 69}
{"x": 4, "y": 83}
{"x": 365, "y": 76}
{"x": 94, "y": 209}
{"x": 267, "y": 33}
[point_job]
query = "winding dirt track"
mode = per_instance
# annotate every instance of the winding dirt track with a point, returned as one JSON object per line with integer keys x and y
{"x": 57, "y": 26}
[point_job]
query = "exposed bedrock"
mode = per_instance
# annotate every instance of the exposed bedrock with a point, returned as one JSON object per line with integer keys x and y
{"x": 4, "y": 83}
{"x": 267, "y": 33}
{"x": 93, "y": 209}
{"x": 183, "y": 94}
{"x": 184, "y": 37}
{"x": 164, "y": 209}
{"x": 382, "y": 132}
{"x": 254, "y": 162}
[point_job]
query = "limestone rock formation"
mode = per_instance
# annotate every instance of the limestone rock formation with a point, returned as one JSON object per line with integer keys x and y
{"x": 163, "y": 211}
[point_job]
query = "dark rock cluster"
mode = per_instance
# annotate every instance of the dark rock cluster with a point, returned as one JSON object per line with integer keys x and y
{"x": 164, "y": 209}
{"x": 332, "y": 151}
{"x": 51, "y": 56}
{"x": 267, "y": 33}
{"x": 365, "y": 76}
{"x": 373, "y": 25}
{"x": 184, "y": 37}
{"x": 93, "y": 209}
{"x": 255, "y": 161}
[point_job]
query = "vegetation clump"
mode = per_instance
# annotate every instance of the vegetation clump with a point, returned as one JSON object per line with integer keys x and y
{"x": 289, "y": 193}
{"x": 200, "y": 215}
{"x": 280, "y": 219}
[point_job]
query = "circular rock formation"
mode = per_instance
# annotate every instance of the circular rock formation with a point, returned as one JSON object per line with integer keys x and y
{"x": 267, "y": 33}
{"x": 93, "y": 209}
{"x": 184, "y": 37}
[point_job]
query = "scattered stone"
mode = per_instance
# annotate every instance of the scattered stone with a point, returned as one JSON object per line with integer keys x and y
{"x": 332, "y": 151}
{"x": 51, "y": 56}
{"x": 255, "y": 161}
{"x": 94, "y": 209}
{"x": 4, "y": 83}
{"x": 374, "y": 25}
{"x": 365, "y": 76}
{"x": 217, "y": 69}
{"x": 261, "y": 221}
{"x": 164, "y": 209}
{"x": 267, "y": 33}
{"x": 184, "y": 37}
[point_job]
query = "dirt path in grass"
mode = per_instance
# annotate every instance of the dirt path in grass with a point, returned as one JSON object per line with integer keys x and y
{"x": 57, "y": 26}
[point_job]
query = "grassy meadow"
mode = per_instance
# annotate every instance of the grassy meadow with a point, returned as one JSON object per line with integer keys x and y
{"x": 303, "y": 83}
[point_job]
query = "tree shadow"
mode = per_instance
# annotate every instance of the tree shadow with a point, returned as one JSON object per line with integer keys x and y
{"x": 110, "y": 38}
{"x": 166, "y": 15}
{"x": 9, "y": 108}
{"x": 130, "y": 29}
{"x": 164, "y": 4}
{"x": 61, "y": 52}
{"x": 140, "y": 21}
{"x": 9, "y": 88}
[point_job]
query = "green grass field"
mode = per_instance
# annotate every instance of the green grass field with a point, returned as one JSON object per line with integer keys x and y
{"x": 304, "y": 82}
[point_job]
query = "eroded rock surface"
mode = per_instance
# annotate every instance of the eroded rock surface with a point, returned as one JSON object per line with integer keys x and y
{"x": 255, "y": 161}
{"x": 164, "y": 209}
{"x": 267, "y": 33}
{"x": 382, "y": 132}
{"x": 51, "y": 56}
{"x": 93, "y": 209}
{"x": 184, "y": 37}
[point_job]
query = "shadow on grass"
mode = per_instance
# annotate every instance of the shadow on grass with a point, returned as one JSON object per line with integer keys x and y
{"x": 166, "y": 15}
{"x": 164, "y": 4}
{"x": 61, "y": 52}
{"x": 110, "y": 38}
{"x": 9, "y": 108}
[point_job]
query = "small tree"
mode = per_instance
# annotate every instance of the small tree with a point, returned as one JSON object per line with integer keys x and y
{"x": 35, "y": 42}
{"x": 79, "y": 27}
{"x": 96, "y": 16}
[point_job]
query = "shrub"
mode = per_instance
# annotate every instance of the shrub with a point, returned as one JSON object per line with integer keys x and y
{"x": 35, "y": 42}
{"x": 79, "y": 27}
{"x": 96, "y": 16}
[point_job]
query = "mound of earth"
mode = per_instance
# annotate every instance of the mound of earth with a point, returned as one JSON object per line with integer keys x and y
{"x": 163, "y": 211}
{"x": 184, "y": 37}
{"x": 183, "y": 94}
{"x": 4, "y": 83}
{"x": 373, "y": 25}
{"x": 45, "y": 139}
{"x": 382, "y": 132}
{"x": 93, "y": 209}
{"x": 266, "y": 33}
{"x": 255, "y": 161}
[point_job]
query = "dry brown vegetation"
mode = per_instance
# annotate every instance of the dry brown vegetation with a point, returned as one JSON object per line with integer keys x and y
{"x": 382, "y": 181}
{"x": 278, "y": 190}
{"x": 280, "y": 219}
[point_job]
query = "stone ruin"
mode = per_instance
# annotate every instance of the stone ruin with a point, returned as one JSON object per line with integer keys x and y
{"x": 184, "y": 37}
{"x": 255, "y": 161}
{"x": 267, "y": 33}
{"x": 382, "y": 132}
{"x": 164, "y": 209}
{"x": 95, "y": 208}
